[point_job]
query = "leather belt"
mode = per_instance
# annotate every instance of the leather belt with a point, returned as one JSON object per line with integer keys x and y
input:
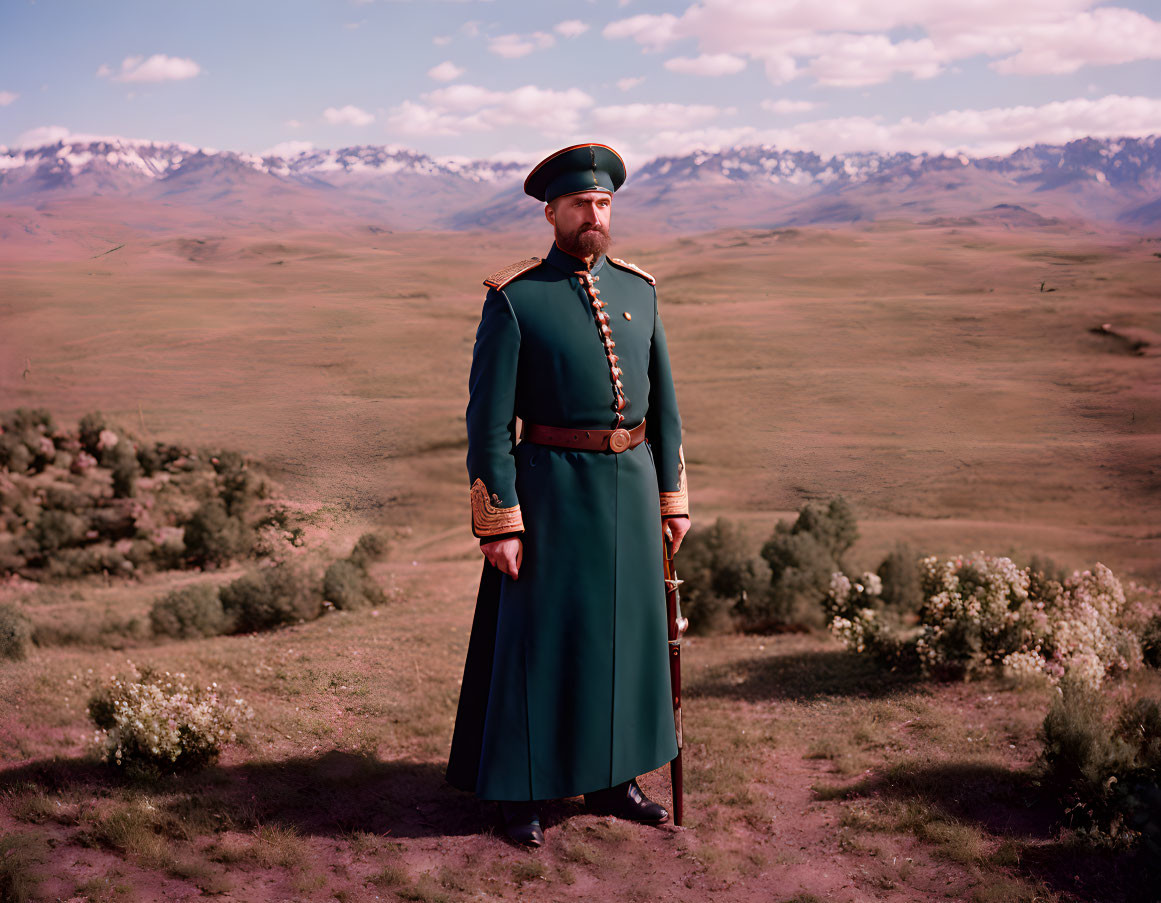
{"x": 617, "y": 440}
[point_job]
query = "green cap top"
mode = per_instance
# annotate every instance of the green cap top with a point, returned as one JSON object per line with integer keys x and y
{"x": 582, "y": 167}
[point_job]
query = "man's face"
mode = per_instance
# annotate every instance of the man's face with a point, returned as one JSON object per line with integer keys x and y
{"x": 581, "y": 222}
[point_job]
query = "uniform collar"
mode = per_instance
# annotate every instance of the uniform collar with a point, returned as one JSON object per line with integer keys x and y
{"x": 566, "y": 263}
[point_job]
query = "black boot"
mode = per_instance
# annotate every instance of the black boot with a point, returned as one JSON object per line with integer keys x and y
{"x": 522, "y": 822}
{"x": 626, "y": 801}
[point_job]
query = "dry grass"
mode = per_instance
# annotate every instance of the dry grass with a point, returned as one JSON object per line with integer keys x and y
{"x": 875, "y": 364}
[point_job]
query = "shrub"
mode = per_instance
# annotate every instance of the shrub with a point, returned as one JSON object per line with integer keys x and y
{"x": 55, "y": 530}
{"x": 86, "y": 627}
{"x": 969, "y": 612}
{"x": 901, "y": 579}
{"x": 1105, "y": 773}
{"x": 213, "y": 536}
{"x": 802, "y": 556}
{"x": 149, "y": 458}
{"x": 856, "y": 615}
{"x": 126, "y": 469}
{"x": 152, "y": 720}
{"x": 25, "y": 441}
{"x": 239, "y": 484}
{"x": 349, "y": 587}
{"x": 720, "y": 577}
{"x": 64, "y": 498}
{"x": 1151, "y": 642}
{"x": 369, "y": 548}
{"x": 270, "y": 597}
{"x": 15, "y": 632}
{"x": 90, "y": 428}
{"x": 191, "y": 611}
{"x": 981, "y": 612}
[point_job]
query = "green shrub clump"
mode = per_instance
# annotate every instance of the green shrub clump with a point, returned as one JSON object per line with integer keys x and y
{"x": 1105, "y": 772}
{"x": 270, "y": 597}
{"x": 15, "y": 632}
{"x": 721, "y": 577}
{"x": 215, "y": 537}
{"x": 157, "y": 721}
{"x": 902, "y": 579}
{"x": 26, "y": 440}
{"x": 1151, "y": 642}
{"x": 802, "y": 557}
{"x": 191, "y": 611}
{"x": 347, "y": 585}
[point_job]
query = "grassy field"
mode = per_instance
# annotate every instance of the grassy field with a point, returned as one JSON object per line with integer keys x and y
{"x": 808, "y": 773}
{"x": 920, "y": 372}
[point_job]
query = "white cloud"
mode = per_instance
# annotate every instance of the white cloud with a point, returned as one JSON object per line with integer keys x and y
{"x": 856, "y": 60}
{"x": 441, "y": 40}
{"x": 293, "y": 124}
{"x": 571, "y": 28}
{"x": 157, "y": 68}
{"x": 352, "y": 26}
{"x": 446, "y": 71}
{"x": 288, "y": 149}
{"x": 511, "y": 46}
{"x": 783, "y": 107}
{"x": 459, "y": 109}
{"x": 348, "y": 115}
{"x": 650, "y": 31}
{"x": 707, "y": 64}
{"x": 1100, "y": 38}
{"x": 7, "y": 97}
{"x": 849, "y": 43}
{"x": 653, "y": 116}
{"x": 627, "y": 84}
{"x": 977, "y": 132}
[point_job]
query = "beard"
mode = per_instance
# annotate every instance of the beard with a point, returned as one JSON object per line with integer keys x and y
{"x": 588, "y": 239}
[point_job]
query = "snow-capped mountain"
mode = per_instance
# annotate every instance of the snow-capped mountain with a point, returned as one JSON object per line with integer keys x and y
{"x": 1090, "y": 179}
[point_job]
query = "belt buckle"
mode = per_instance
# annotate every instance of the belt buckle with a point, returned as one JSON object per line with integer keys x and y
{"x": 619, "y": 440}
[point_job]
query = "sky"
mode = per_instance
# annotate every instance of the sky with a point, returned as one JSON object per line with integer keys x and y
{"x": 492, "y": 79}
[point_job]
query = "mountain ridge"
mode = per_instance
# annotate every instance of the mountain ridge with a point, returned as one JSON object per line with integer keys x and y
{"x": 1089, "y": 179}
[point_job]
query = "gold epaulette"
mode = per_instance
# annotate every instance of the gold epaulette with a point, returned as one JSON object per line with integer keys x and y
{"x": 501, "y": 278}
{"x": 625, "y": 265}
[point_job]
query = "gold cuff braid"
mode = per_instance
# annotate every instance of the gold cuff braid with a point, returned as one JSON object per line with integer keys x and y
{"x": 677, "y": 503}
{"x": 490, "y": 520}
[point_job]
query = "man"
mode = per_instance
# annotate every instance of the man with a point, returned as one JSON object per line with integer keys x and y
{"x": 566, "y": 686}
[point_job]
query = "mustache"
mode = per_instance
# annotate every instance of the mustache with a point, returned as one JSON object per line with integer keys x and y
{"x": 591, "y": 227}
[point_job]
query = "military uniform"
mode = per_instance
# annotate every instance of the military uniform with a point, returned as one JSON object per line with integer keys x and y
{"x": 566, "y": 685}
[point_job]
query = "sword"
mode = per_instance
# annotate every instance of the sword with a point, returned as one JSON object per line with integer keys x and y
{"x": 677, "y": 625}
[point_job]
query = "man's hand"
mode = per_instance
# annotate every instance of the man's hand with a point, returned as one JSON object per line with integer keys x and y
{"x": 675, "y": 529}
{"x": 507, "y": 554}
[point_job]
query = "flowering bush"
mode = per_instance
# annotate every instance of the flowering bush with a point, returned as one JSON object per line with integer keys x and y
{"x": 852, "y": 609}
{"x": 856, "y": 615}
{"x": 981, "y": 612}
{"x": 974, "y": 612}
{"x": 157, "y": 719}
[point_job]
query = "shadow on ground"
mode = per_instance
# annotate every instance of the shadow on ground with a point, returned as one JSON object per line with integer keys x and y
{"x": 1025, "y": 826}
{"x": 801, "y": 676}
{"x": 332, "y": 794}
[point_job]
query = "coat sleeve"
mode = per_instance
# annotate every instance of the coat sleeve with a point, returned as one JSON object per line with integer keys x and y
{"x": 663, "y": 427}
{"x": 491, "y": 421}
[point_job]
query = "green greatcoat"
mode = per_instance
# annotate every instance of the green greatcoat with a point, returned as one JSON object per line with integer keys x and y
{"x": 566, "y": 685}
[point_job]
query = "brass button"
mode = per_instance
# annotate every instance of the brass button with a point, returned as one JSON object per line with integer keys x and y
{"x": 628, "y": 316}
{"x": 619, "y": 440}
